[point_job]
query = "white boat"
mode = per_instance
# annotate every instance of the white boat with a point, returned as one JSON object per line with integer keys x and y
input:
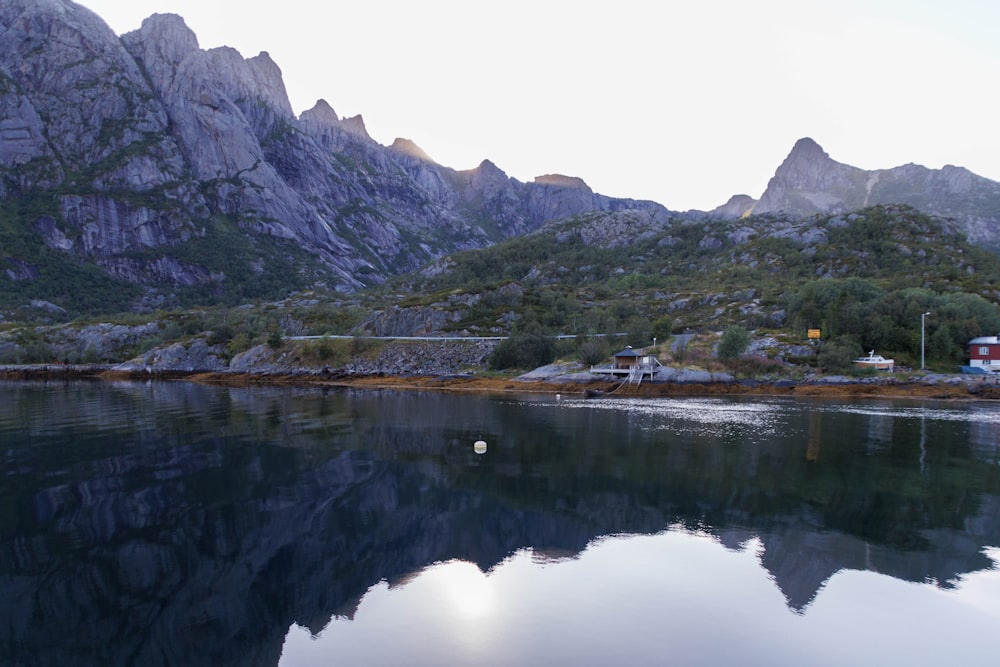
{"x": 876, "y": 361}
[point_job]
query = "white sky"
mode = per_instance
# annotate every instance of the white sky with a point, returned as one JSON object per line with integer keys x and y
{"x": 683, "y": 102}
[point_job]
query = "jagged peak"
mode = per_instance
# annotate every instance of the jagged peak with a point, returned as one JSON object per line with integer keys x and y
{"x": 805, "y": 151}
{"x": 486, "y": 171}
{"x": 487, "y": 166}
{"x": 174, "y": 38}
{"x": 270, "y": 81}
{"x": 356, "y": 126}
{"x": 408, "y": 147}
{"x": 808, "y": 145}
{"x": 561, "y": 180}
{"x": 321, "y": 113}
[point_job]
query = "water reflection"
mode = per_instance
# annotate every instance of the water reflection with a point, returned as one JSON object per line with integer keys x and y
{"x": 644, "y": 599}
{"x": 177, "y": 524}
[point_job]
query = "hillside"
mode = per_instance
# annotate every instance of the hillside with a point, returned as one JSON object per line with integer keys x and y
{"x": 864, "y": 279}
{"x": 867, "y": 275}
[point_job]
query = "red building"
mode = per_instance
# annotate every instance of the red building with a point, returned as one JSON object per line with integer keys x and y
{"x": 984, "y": 352}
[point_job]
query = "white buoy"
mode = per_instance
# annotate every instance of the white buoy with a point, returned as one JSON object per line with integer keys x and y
{"x": 479, "y": 447}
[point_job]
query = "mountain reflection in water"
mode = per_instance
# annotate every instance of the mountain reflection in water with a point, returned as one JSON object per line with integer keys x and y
{"x": 169, "y": 523}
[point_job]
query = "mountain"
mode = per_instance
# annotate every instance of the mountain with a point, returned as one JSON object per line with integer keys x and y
{"x": 142, "y": 167}
{"x": 809, "y": 182}
{"x": 141, "y": 171}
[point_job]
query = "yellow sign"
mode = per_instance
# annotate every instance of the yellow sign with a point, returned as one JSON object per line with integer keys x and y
{"x": 814, "y": 333}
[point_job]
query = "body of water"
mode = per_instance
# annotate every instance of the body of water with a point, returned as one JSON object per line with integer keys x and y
{"x": 178, "y": 524}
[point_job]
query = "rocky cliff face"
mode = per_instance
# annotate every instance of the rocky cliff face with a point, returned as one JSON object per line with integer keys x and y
{"x": 132, "y": 150}
{"x": 810, "y": 182}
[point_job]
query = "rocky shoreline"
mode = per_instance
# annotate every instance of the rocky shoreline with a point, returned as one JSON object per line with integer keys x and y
{"x": 549, "y": 380}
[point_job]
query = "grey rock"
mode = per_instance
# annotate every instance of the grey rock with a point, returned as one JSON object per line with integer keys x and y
{"x": 149, "y": 139}
{"x": 562, "y": 372}
{"x": 191, "y": 356}
{"x": 809, "y": 182}
{"x": 47, "y": 307}
{"x": 690, "y": 376}
{"x": 421, "y": 321}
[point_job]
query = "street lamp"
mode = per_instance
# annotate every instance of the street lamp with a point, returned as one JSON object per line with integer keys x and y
{"x": 922, "y": 316}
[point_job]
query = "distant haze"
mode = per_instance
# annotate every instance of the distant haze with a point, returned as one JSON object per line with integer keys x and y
{"x": 679, "y": 102}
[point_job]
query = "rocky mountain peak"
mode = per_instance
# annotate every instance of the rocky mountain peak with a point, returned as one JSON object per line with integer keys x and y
{"x": 322, "y": 114}
{"x": 487, "y": 169}
{"x": 269, "y": 82}
{"x": 806, "y": 164}
{"x": 408, "y": 147}
{"x": 806, "y": 148}
{"x": 356, "y": 126}
{"x": 169, "y": 34}
{"x": 809, "y": 182}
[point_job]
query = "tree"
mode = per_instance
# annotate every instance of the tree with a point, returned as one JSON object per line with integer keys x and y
{"x": 638, "y": 333}
{"x": 838, "y": 354}
{"x": 663, "y": 327}
{"x": 940, "y": 345}
{"x": 733, "y": 343}
{"x": 526, "y": 350}
{"x": 593, "y": 351}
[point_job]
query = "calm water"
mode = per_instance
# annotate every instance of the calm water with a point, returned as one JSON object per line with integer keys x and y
{"x": 173, "y": 524}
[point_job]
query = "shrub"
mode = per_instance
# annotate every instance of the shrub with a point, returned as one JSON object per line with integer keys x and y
{"x": 239, "y": 343}
{"x": 274, "y": 340}
{"x": 734, "y": 342}
{"x": 593, "y": 352}
{"x": 754, "y": 366}
{"x": 663, "y": 327}
{"x": 221, "y": 335}
{"x": 838, "y": 355}
{"x": 523, "y": 351}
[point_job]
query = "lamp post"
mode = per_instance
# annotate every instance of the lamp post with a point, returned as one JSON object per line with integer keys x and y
{"x": 922, "y": 316}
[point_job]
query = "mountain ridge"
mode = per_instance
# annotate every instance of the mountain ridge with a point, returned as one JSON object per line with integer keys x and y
{"x": 153, "y": 169}
{"x": 139, "y": 144}
{"x": 809, "y": 182}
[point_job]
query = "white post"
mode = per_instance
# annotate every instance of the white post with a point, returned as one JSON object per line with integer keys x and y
{"x": 922, "y": 316}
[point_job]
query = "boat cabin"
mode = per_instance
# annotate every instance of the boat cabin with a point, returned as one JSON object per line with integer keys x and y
{"x": 875, "y": 362}
{"x": 984, "y": 353}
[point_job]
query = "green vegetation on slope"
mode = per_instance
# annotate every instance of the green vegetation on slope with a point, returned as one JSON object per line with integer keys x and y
{"x": 863, "y": 277}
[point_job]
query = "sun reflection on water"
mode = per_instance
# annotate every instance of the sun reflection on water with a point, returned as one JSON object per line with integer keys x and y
{"x": 466, "y": 590}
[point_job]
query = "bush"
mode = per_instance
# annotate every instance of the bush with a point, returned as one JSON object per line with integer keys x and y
{"x": 734, "y": 342}
{"x": 663, "y": 327}
{"x": 274, "y": 340}
{"x": 221, "y": 335}
{"x": 755, "y": 366}
{"x": 523, "y": 351}
{"x": 332, "y": 352}
{"x": 593, "y": 352}
{"x": 838, "y": 355}
{"x": 639, "y": 332}
{"x": 239, "y": 343}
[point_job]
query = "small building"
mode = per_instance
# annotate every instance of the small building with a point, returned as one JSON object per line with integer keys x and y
{"x": 626, "y": 359}
{"x": 631, "y": 364}
{"x": 984, "y": 353}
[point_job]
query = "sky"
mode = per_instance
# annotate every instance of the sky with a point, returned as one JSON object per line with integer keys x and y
{"x": 684, "y": 103}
